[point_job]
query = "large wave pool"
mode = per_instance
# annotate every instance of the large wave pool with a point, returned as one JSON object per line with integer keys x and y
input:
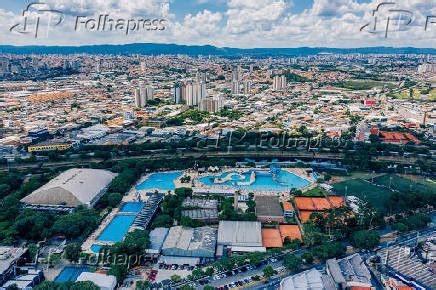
{"x": 160, "y": 181}
{"x": 265, "y": 181}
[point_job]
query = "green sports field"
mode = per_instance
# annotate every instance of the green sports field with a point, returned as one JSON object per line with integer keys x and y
{"x": 405, "y": 184}
{"x": 364, "y": 190}
{"x": 378, "y": 192}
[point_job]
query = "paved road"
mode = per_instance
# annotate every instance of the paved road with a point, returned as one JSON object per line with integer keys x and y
{"x": 406, "y": 239}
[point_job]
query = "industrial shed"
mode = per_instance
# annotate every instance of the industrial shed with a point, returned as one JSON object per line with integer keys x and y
{"x": 240, "y": 236}
{"x": 70, "y": 189}
{"x": 190, "y": 242}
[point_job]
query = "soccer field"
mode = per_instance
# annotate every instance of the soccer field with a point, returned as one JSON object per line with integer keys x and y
{"x": 405, "y": 184}
{"x": 375, "y": 195}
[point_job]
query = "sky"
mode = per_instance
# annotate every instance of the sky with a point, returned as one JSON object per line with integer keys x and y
{"x": 223, "y": 23}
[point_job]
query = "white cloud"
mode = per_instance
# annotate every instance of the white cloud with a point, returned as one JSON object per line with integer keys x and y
{"x": 243, "y": 23}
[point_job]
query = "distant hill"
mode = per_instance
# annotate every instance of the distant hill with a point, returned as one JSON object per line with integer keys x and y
{"x": 154, "y": 48}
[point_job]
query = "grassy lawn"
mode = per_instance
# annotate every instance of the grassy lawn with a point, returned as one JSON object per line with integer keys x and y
{"x": 316, "y": 191}
{"x": 377, "y": 195}
{"x": 364, "y": 190}
{"x": 405, "y": 184}
{"x": 363, "y": 85}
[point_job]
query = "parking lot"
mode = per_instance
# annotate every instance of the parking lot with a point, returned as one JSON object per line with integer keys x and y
{"x": 164, "y": 272}
{"x": 243, "y": 277}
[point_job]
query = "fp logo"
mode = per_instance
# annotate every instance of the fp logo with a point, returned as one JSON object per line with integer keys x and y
{"x": 386, "y": 18}
{"x": 36, "y": 17}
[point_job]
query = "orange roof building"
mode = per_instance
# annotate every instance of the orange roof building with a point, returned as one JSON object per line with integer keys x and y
{"x": 291, "y": 231}
{"x": 287, "y": 206}
{"x": 288, "y": 209}
{"x": 271, "y": 238}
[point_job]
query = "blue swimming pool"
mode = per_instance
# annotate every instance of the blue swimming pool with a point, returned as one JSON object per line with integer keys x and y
{"x": 160, "y": 181}
{"x": 265, "y": 181}
{"x": 133, "y": 207}
{"x": 117, "y": 228}
{"x": 96, "y": 248}
{"x": 70, "y": 273}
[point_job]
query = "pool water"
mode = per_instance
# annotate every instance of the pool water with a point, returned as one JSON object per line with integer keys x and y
{"x": 117, "y": 228}
{"x": 70, "y": 273}
{"x": 160, "y": 181}
{"x": 96, "y": 248}
{"x": 265, "y": 181}
{"x": 133, "y": 207}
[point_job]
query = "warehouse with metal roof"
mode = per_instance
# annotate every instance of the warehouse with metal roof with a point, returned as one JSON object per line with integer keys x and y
{"x": 310, "y": 279}
{"x": 190, "y": 242}
{"x": 240, "y": 236}
{"x": 349, "y": 272}
{"x": 70, "y": 189}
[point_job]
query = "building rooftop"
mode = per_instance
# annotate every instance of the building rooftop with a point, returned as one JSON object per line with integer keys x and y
{"x": 310, "y": 279}
{"x": 182, "y": 241}
{"x": 400, "y": 260}
{"x": 350, "y": 269}
{"x": 201, "y": 214}
{"x": 240, "y": 233}
{"x": 157, "y": 238}
{"x": 287, "y": 206}
{"x": 200, "y": 203}
{"x": 101, "y": 280}
{"x": 71, "y": 188}
{"x": 8, "y": 255}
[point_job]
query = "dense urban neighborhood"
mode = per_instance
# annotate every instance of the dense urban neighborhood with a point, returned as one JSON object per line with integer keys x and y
{"x": 209, "y": 172}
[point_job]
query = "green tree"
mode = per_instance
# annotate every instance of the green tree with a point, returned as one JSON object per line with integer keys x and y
{"x": 307, "y": 257}
{"x": 209, "y": 271}
{"x": 176, "y": 278}
{"x": 268, "y": 271}
{"x": 119, "y": 271}
{"x": 33, "y": 249}
{"x": 13, "y": 287}
{"x": 292, "y": 262}
{"x": 72, "y": 252}
{"x": 162, "y": 220}
{"x": 400, "y": 227}
{"x": 142, "y": 285}
{"x": 365, "y": 239}
{"x": 328, "y": 250}
{"x": 84, "y": 285}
